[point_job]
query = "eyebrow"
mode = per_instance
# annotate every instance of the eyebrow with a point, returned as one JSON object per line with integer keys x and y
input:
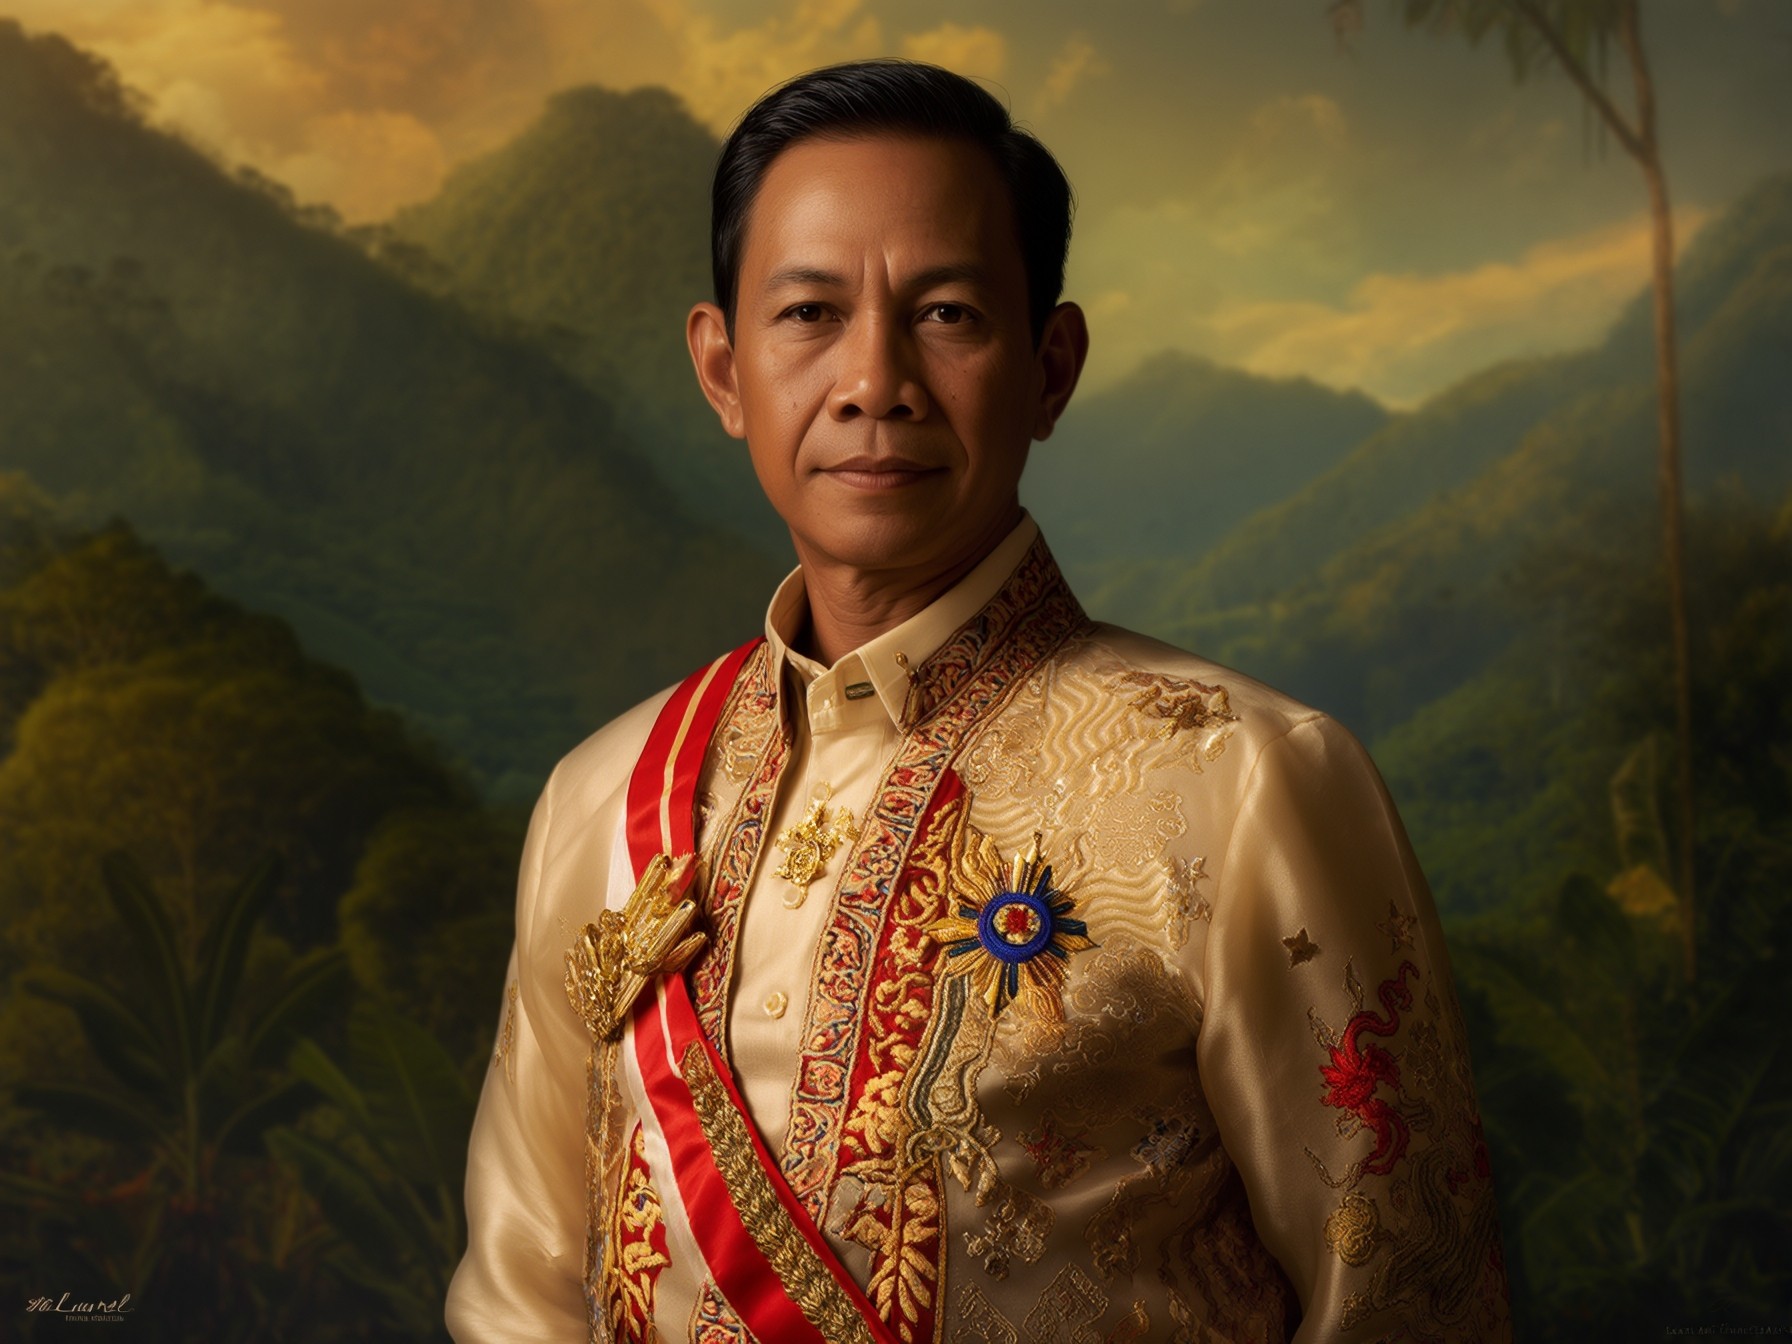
{"x": 968, "y": 272}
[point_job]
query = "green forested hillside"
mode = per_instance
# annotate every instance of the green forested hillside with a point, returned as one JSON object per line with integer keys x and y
{"x": 430, "y": 500}
{"x": 1173, "y": 457}
{"x": 1393, "y": 578}
{"x": 240, "y": 915}
{"x": 591, "y": 229}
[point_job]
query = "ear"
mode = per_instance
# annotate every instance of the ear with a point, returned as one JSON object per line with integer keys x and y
{"x": 712, "y": 355}
{"x": 1063, "y": 347}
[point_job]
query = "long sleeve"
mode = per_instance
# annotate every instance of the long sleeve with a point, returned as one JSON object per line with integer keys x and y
{"x": 520, "y": 1278}
{"x": 1334, "y": 1057}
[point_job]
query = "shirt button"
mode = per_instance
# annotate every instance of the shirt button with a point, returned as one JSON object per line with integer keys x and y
{"x": 794, "y": 898}
{"x": 775, "y": 1003}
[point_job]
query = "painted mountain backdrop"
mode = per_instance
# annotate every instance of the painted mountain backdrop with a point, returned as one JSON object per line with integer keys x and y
{"x": 324, "y": 542}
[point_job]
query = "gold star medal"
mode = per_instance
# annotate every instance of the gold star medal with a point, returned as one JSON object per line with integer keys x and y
{"x": 1014, "y": 932}
{"x": 810, "y": 843}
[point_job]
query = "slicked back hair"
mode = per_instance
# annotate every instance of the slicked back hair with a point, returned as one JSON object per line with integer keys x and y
{"x": 892, "y": 97}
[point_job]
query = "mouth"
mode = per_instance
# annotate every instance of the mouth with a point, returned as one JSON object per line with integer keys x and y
{"x": 868, "y": 472}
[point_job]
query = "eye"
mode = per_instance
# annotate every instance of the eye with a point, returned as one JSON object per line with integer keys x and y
{"x": 806, "y": 313}
{"x": 947, "y": 314}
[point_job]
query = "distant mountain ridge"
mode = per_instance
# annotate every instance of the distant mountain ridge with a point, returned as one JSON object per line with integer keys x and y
{"x": 592, "y": 228}
{"x": 471, "y": 473}
{"x": 1170, "y": 459}
{"x": 1386, "y": 581}
{"x": 429, "y": 501}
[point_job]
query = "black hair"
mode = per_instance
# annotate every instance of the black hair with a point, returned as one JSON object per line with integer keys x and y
{"x": 892, "y": 97}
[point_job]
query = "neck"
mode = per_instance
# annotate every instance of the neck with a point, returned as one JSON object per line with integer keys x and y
{"x": 850, "y": 606}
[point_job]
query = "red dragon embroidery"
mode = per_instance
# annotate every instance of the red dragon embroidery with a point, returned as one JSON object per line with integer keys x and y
{"x": 1356, "y": 1072}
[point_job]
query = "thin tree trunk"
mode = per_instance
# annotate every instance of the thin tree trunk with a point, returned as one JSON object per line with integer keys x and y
{"x": 1669, "y": 475}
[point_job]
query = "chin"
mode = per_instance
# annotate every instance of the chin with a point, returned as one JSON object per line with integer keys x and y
{"x": 877, "y": 543}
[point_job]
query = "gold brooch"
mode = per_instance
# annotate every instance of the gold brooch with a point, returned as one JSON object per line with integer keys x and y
{"x": 1012, "y": 935}
{"x": 810, "y": 843}
{"x": 613, "y": 960}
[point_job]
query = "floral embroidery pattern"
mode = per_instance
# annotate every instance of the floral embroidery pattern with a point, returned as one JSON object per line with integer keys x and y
{"x": 1356, "y": 1073}
{"x": 1183, "y": 879}
{"x": 1398, "y": 928}
{"x": 1300, "y": 947}
{"x": 737, "y": 851}
{"x": 887, "y": 1196}
{"x": 606, "y": 1161}
{"x": 713, "y": 1321}
{"x": 967, "y": 680}
{"x": 1059, "y": 1158}
{"x": 1016, "y": 1228}
{"x": 1183, "y": 705}
{"x": 637, "y": 1248}
{"x": 1436, "y": 1264}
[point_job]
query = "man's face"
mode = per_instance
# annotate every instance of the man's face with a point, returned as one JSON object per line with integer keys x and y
{"x": 882, "y": 369}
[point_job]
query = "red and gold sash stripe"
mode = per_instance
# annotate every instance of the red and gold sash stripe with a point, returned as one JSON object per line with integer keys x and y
{"x": 767, "y": 1257}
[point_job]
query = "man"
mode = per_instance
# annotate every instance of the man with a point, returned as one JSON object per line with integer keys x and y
{"x": 1053, "y": 984}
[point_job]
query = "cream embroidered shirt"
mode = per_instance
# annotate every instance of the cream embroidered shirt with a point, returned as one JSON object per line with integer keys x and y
{"x": 1240, "y": 1109}
{"x": 846, "y": 721}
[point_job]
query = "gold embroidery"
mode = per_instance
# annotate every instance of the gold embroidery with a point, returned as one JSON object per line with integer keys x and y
{"x": 1398, "y": 928}
{"x": 942, "y": 1101}
{"x": 979, "y": 1322}
{"x": 799, "y": 1269}
{"x": 1300, "y": 947}
{"x": 1059, "y": 1157}
{"x": 605, "y": 1160}
{"x": 507, "y": 1035}
{"x": 1185, "y": 902}
{"x": 1353, "y": 1229}
{"x": 734, "y": 849}
{"x": 742, "y": 745}
{"x": 1067, "y": 1309}
{"x": 1126, "y": 1000}
{"x": 612, "y": 960}
{"x": 1068, "y": 758}
{"x": 811, "y": 842}
{"x": 1438, "y": 1268}
{"x": 638, "y": 1247}
{"x": 918, "y": 1107}
{"x": 1183, "y": 705}
{"x": 1184, "y": 1166}
{"x": 1017, "y": 1225}
{"x": 905, "y": 1275}
{"x": 713, "y": 1321}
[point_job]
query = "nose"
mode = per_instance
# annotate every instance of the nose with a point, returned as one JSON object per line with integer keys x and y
{"x": 878, "y": 374}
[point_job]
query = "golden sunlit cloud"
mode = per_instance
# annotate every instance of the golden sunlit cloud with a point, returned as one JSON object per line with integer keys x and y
{"x": 981, "y": 53}
{"x": 722, "y": 71}
{"x": 1398, "y": 335}
{"x": 364, "y": 115}
{"x": 1077, "y": 62}
{"x": 362, "y": 162}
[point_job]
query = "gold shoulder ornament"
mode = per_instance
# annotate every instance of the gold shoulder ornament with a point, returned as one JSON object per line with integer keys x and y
{"x": 613, "y": 960}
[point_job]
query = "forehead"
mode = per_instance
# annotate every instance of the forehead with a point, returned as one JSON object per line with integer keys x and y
{"x": 907, "y": 199}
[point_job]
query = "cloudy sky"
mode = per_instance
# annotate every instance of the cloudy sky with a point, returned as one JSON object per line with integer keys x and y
{"x": 1389, "y": 216}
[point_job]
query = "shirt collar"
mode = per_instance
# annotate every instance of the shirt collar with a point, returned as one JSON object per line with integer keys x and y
{"x": 876, "y": 663}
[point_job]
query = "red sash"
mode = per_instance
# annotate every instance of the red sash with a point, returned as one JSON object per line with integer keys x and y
{"x": 767, "y": 1257}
